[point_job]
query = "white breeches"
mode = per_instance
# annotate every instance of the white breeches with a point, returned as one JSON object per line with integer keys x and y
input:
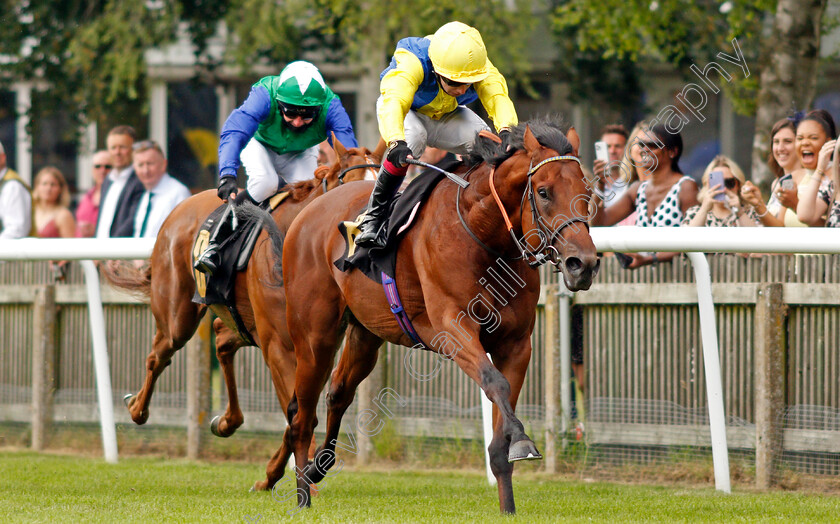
{"x": 262, "y": 166}
{"x": 454, "y": 132}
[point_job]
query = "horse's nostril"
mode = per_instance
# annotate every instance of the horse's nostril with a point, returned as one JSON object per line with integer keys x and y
{"x": 597, "y": 267}
{"x": 574, "y": 265}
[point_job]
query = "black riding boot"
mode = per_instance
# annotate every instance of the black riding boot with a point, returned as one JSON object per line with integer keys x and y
{"x": 208, "y": 262}
{"x": 373, "y": 234}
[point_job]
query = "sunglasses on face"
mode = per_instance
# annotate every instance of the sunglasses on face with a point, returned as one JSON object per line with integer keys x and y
{"x": 452, "y": 83}
{"x": 730, "y": 183}
{"x": 304, "y": 112}
{"x": 653, "y": 146}
{"x": 100, "y": 166}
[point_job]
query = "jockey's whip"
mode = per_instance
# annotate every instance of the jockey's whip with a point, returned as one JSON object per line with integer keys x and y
{"x": 234, "y": 220}
{"x": 452, "y": 176}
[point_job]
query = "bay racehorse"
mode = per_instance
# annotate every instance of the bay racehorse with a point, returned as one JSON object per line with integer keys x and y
{"x": 169, "y": 281}
{"x": 535, "y": 193}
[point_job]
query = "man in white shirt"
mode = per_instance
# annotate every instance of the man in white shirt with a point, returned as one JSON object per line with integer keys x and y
{"x": 161, "y": 192}
{"x": 615, "y": 138}
{"x": 15, "y": 203}
{"x": 121, "y": 190}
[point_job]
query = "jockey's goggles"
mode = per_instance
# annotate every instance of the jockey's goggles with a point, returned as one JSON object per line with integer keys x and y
{"x": 452, "y": 83}
{"x": 304, "y": 112}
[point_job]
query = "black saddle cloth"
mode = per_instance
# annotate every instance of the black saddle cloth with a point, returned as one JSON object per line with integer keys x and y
{"x": 404, "y": 210}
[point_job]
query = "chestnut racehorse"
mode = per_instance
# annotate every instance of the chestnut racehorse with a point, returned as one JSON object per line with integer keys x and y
{"x": 537, "y": 192}
{"x": 169, "y": 281}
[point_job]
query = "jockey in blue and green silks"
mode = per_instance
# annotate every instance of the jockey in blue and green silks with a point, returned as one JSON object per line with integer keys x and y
{"x": 275, "y": 133}
{"x": 424, "y": 91}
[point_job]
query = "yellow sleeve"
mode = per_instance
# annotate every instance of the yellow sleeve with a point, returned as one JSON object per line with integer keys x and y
{"x": 398, "y": 87}
{"x": 493, "y": 93}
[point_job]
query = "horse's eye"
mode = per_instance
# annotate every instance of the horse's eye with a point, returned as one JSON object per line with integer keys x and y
{"x": 543, "y": 192}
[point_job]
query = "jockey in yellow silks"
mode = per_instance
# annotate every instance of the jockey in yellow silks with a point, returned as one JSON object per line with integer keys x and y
{"x": 424, "y": 92}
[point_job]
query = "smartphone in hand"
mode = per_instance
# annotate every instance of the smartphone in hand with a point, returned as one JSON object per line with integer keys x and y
{"x": 716, "y": 179}
{"x": 624, "y": 260}
{"x": 601, "y": 151}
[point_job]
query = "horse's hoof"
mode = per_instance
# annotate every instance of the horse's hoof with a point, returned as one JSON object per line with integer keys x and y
{"x": 214, "y": 427}
{"x": 523, "y": 450}
{"x": 128, "y": 399}
{"x": 260, "y": 485}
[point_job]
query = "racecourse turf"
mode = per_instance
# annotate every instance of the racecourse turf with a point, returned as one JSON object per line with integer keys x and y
{"x": 58, "y": 488}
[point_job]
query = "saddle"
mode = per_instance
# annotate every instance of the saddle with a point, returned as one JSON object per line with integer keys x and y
{"x": 235, "y": 252}
{"x": 404, "y": 210}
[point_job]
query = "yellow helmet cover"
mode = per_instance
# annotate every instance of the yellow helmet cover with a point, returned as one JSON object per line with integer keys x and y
{"x": 457, "y": 52}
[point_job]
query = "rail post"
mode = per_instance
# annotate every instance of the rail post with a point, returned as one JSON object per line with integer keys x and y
{"x": 44, "y": 355}
{"x": 770, "y": 313}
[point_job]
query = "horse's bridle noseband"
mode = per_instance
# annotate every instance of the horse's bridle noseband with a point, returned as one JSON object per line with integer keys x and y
{"x": 549, "y": 253}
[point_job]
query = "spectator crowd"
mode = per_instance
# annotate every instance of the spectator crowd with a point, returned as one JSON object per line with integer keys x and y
{"x": 642, "y": 184}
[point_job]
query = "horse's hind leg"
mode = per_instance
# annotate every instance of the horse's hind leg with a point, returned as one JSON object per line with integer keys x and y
{"x": 357, "y": 361}
{"x": 174, "y": 329}
{"x": 227, "y": 343}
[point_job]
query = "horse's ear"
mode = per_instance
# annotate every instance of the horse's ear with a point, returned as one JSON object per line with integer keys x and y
{"x": 379, "y": 152}
{"x": 531, "y": 143}
{"x": 338, "y": 146}
{"x": 574, "y": 139}
{"x": 490, "y": 136}
{"x": 322, "y": 171}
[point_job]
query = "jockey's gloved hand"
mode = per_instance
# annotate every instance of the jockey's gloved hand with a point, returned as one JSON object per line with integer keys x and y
{"x": 397, "y": 153}
{"x": 227, "y": 186}
{"x": 504, "y": 134}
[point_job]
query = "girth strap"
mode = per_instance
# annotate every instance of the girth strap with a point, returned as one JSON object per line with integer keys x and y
{"x": 393, "y": 297}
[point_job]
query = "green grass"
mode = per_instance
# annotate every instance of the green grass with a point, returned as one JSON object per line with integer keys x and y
{"x": 53, "y": 488}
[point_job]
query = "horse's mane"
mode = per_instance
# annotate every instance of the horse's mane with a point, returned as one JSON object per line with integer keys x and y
{"x": 249, "y": 212}
{"x": 548, "y": 130}
{"x": 300, "y": 190}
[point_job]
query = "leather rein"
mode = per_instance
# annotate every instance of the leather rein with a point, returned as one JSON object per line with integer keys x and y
{"x": 344, "y": 172}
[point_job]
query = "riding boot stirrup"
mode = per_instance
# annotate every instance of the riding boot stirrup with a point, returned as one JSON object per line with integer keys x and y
{"x": 372, "y": 231}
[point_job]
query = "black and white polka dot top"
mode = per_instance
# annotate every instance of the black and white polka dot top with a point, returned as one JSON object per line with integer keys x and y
{"x": 667, "y": 213}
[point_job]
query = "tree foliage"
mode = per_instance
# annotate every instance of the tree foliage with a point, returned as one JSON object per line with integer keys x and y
{"x": 505, "y": 26}
{"x": 87, "y": 57}
{"x": 626, "y": 35}
{"x": 90, "y": 54}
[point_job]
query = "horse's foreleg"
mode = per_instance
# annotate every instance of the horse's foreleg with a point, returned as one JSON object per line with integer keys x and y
{"x": 309, "y": 381}
{"x": 314, "y": 361}
{"x": 357, "y": 361}
{"x": 277, "y": 465}
{"x": 512, "y": 367}
{"x": 474, "y": 362}
{"x": 227, "y": 343}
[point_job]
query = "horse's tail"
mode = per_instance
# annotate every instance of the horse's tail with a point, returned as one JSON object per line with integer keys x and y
{"x": 246, "y": 211}
{"x": 129, "y": 278}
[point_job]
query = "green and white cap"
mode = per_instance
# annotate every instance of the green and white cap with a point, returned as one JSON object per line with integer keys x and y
{"x": 301, "y": 84}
